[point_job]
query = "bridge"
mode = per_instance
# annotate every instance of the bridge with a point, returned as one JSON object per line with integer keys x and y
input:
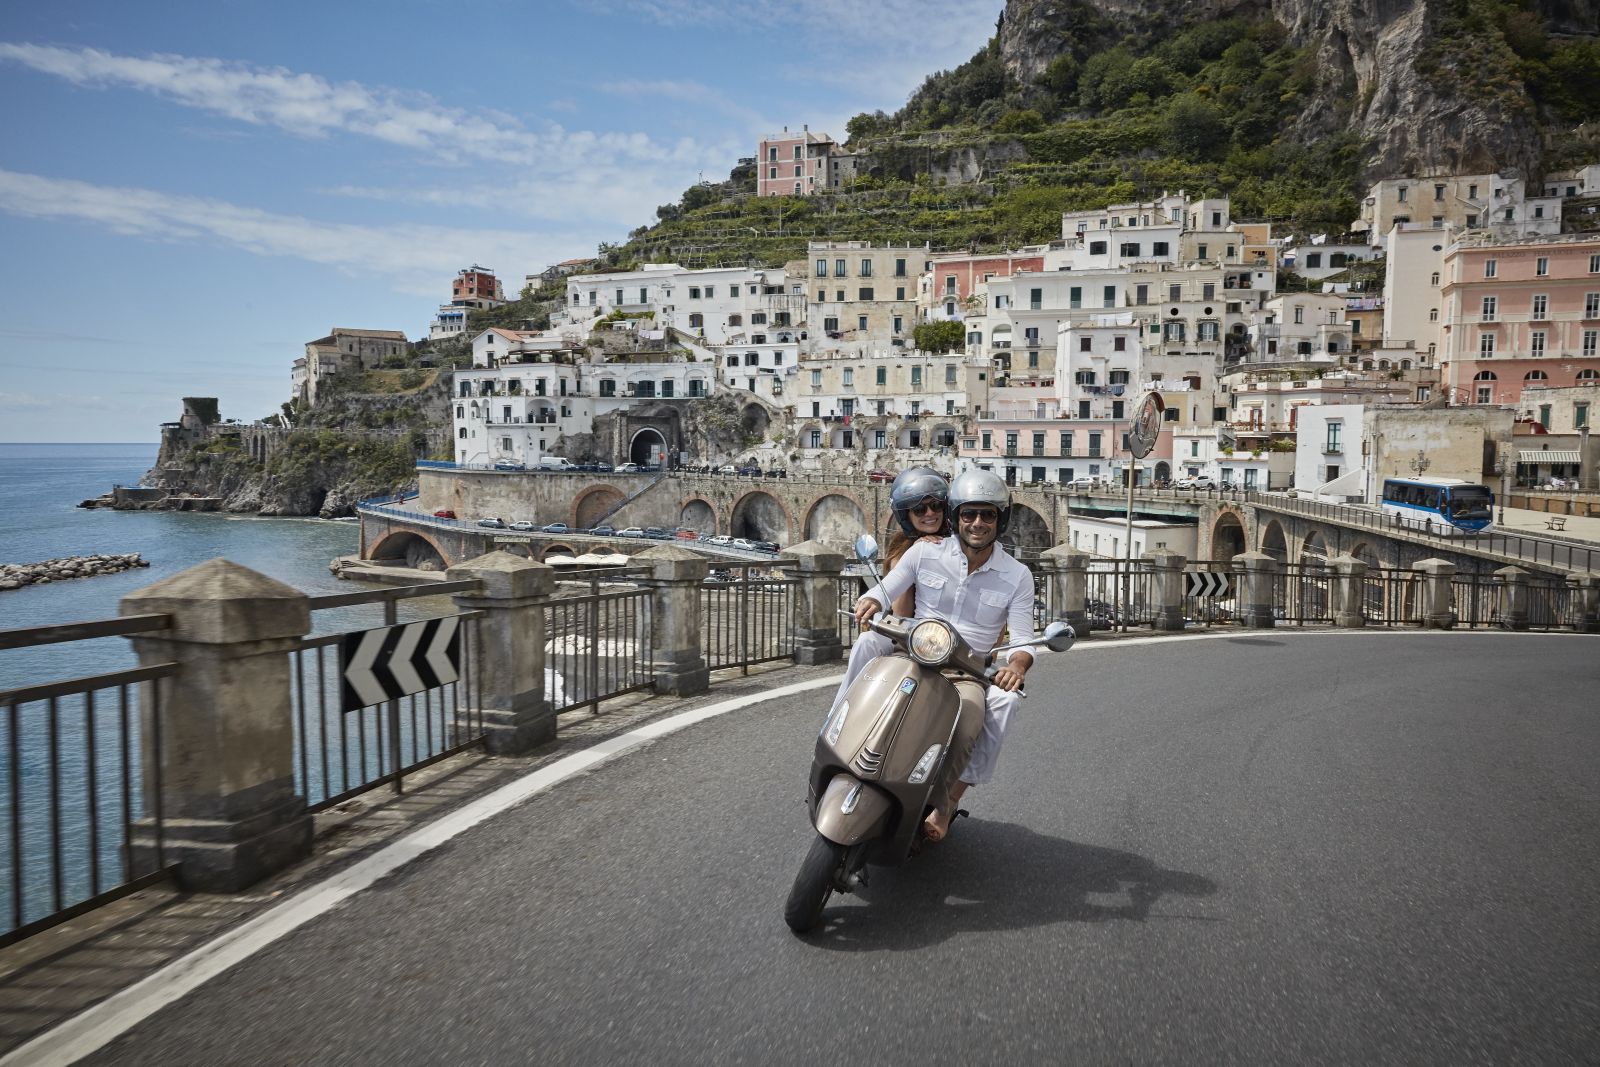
{"x": 787, "y": 511}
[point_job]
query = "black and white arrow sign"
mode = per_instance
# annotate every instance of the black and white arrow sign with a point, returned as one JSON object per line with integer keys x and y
{"x": 1205, "y": 583}
{"x": 393, "y": 661}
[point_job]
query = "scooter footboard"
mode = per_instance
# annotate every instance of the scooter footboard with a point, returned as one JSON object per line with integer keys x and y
{"x": 851, "y": 811}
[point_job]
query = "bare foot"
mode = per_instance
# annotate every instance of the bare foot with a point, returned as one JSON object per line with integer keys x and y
{"x": 936, "y": 825}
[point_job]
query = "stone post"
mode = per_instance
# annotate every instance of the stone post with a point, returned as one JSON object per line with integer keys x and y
{"x": 676, "y": 576}
{"x": 1348, "y": 588}
{"x": 1069, "y": 575}
{"x": 1258, "y": 574}
{"x": 816, "y": 601}
{"x": 509, "y": 657}
{"x": 1589, "y": 601}
{"x": 226, "y": 758}
{"x": 1436, "y": 609}
{"x": 1167, "y": 587}
{"x": 1511, "y": 600}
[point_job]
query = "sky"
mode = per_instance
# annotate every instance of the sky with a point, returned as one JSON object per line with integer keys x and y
{"x": 189, "y": 192}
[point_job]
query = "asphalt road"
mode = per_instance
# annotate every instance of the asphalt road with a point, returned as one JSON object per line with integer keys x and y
{"x": 1266, "y": 849}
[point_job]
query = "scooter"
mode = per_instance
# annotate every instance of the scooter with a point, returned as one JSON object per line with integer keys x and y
{"x": 880, "y": 753}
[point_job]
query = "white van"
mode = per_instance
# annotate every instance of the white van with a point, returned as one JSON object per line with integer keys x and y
{"x": 555, "y": 463}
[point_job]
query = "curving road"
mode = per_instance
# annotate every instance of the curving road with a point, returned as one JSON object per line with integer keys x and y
{"x": 1307, "y": 848}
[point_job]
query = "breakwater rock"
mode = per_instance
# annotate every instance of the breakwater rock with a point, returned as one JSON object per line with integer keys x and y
{"x": 17, "y": 575}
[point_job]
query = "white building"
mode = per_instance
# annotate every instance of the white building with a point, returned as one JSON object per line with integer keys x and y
{"x": 1107, "y": 538}
{"x": 718, "y": 306}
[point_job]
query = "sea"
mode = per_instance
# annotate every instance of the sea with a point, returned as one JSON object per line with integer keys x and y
{"x": 40, "y": 488}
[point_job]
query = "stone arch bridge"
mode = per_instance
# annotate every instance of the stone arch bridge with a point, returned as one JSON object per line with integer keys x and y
{"x": 786, "y": 511}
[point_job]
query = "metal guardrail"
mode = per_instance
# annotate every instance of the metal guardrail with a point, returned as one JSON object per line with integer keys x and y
{"x": 342, "y": 754}
{"x": 73, "y": 784}
{"x": 597, "y": 644}
{"x": 746, "y": 617}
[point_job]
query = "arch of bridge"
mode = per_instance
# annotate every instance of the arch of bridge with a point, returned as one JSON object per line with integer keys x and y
{"x": 399, "y": 539}
{"x": 592, "y": 502}
{"x": 750, "y": 499}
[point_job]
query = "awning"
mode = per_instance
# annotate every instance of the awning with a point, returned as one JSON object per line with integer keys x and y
{"x": 1540, "y": 457}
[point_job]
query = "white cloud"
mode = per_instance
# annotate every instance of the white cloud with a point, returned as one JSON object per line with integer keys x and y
{"x": 414, "y": 257}
{"x": 307, "y": 105}
{"x": 22, "y": 402}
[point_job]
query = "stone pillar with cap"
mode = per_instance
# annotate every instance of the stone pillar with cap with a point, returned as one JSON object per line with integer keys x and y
{"x": 507, "y": 649}
{"x": 226, "y": 755}
{"x": 675, "y": 579}
{"x": 1511, "y": 598}
{"x": 1435, "y": 607}
{"x": 1069, "y": 577}
{"x": 1167, "y": 588}
{"x": 816, "y": 601}
{"x": 1347, "y": 587}
{"x": 1258, "y": 582}
{"x": 1589, "y": 603}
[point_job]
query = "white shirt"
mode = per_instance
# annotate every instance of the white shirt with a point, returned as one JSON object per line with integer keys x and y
{"x": 978, "y": 605}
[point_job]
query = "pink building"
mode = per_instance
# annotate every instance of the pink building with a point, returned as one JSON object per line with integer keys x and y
{"x": 793, "y": 164}
{"x": 956, "y": 276}
{"x": 1024, "y": 438}
{"x": 1519, "y": 314}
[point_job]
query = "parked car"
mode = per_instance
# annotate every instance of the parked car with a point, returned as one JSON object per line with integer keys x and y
{"x": 556, "y": 528}
{"x": 767, "y": 546}
{"x": 524, "y": 525}
{"x": 1085, "y": 483}
{"x": 1199, "y": 481}
{"x": 727, "y": 468}
{"x": 750, "y": 471}
{"x": 683, "y": 533}
{"x": 649, "y": 468}
{"x": 632, "y": 531}
{"x": 603, "y": 467}
{"x": 718, "y": 576}
{"x": 604, "y": 530}
{"x": 495, "y": 524}
{"x": 777, "y": 472}
{"x": 509, "y": 467}
{"x": 747, "y": 545}
{"x": 878, "y": 475}
{"x": 627, "y": 468}
{"x": 658, "y": 533}
{"x": 720, "y": 540}
{"x": 444, "y": 513}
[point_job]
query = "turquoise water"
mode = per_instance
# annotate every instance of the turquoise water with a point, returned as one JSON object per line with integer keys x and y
{"x": 40, "y": 486}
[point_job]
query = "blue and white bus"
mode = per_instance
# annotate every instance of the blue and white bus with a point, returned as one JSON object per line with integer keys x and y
{"x": 1439, "y": 505}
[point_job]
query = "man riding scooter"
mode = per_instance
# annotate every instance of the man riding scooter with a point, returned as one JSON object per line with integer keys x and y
{"x": 972, "y": 583}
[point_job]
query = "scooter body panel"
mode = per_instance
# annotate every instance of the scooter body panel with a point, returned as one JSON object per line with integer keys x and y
{"x": 898, "y": 709}
{"x": 851, "y": 811}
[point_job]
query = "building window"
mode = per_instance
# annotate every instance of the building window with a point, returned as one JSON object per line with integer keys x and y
{"x": 1591, "y": 341}
{"x": 1085, "y": 344}
{"x": 1158, "y": 248}
{"x": 838, "y": 268}
{"x": 1400, "y": 194}
{"x": 1299, "y": 314}
{"x": 878, "y": 438}
{"x": 1129, "y": 249}
{"x": 1541, "y": 305}
{"x": 1541, "y": 266}
{"x": 988, "y": 440}
{"x": 822, "y": 268}
{"x": 1594, "y": 264}
{"x": 1491, "y": 305}
{"x": 1485, "y": 345}
{"x": 1200, "y": 251}
{"x": 1580, "y": 416}
{"x": 900, "y": 292}
{"x": 1435, "y": 279}
{"x": 861, "y": 322}
{"x": 772, "y": 173}
{"x": 849, "y": 377}
{"x": 1490, "y": 268}
{"x": 1108, "y": 296}
{"x": 899, "y": 268}
{"x": 899, "y": 324}
{"x": 1536, "y": 342}
{"x": 863, "y": 294}
{"x": 1097, "y": 248}
{"x": 1591, "y": 305}
{"x": 816, "y": 379}
{"x": 881, "y": 375}
{"x": 866, "y": 268}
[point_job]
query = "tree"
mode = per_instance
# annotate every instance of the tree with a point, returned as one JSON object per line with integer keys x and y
{"x": 939, "y": 337}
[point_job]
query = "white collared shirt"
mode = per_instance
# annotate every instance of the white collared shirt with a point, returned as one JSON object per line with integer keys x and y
{"x": 978, "y": 605}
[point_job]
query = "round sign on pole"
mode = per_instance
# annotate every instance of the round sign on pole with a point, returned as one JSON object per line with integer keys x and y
{"x": 1146, "y": 425}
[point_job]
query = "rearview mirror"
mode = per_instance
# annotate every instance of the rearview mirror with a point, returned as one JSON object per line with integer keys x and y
{"x": 1059, "y": 637}
{"x": 866, "y": 548}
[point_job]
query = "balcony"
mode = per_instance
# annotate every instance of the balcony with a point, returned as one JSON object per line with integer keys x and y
{"x": 1333, "y": 448}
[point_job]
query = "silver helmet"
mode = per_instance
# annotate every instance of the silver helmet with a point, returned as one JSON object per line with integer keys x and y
{"x": 911, "y": 487}
{"x": 980, "y": 487}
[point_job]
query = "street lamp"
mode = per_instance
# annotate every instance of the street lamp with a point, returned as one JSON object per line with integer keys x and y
{"x": 1419, "y": 462}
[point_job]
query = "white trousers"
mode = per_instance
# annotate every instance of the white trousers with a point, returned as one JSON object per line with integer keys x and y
{"x": 998, "y": 708}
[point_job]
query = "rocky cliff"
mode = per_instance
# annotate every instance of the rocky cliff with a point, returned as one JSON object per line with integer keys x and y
{"x": 1429, "y": 85}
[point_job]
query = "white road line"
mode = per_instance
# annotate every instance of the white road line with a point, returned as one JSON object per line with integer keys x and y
{"x": 98, "y": 1026}
{"x": 108, "y": 1020}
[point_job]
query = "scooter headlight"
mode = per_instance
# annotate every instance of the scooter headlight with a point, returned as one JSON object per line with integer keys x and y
{"x": 924, "y": 767}
{"x": 835, "y": 723}
{"x": 931, "y": 642}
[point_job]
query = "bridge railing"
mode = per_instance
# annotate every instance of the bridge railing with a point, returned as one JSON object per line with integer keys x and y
{"x": 747, "y": 616}
{"x": 81, "y": 826}
{"x": 597, "y": 643}
{"x": 346, "y": 744}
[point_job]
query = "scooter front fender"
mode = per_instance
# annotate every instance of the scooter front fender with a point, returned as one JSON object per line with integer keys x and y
{"x": 851, "y": 811}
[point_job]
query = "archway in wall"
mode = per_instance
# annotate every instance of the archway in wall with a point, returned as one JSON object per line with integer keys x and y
{"x": 1163, "y": 471}
{"x": 835, "y": 518}
{"x": 593, "y": 503}
{"x": 1365, "y": 553}
{"x": 1028, "y": 533}
{"x": 647, "y": 446}
{"x": 1315, "y": 551}
{"x": 759, "y": 517}
{"x": 1273, "y": 542}
{"x": 414, "y": 550}
{"x": 699, "y": 516}
{"x": 1227, "y": 537}
{"x": 556, "y": 548}
{"x": 754, "y": 422}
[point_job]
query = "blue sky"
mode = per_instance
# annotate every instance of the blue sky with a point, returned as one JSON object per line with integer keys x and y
{"x": 191, "y": 191}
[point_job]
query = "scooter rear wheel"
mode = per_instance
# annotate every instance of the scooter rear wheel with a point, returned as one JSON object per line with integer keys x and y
{"x": 813, "y": 885}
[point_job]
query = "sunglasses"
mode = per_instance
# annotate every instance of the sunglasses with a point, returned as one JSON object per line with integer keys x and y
{"x": 978, "y": 515}
{"x": 928, "y": 507}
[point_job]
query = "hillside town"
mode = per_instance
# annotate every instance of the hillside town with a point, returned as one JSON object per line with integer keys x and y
{"x": 1460, "y": 316}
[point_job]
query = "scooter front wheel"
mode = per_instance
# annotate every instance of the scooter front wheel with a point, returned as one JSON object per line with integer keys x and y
{"x": 813, "y": 885}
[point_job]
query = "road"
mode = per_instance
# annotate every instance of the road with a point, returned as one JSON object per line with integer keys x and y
{"x": 1279, "y": 848}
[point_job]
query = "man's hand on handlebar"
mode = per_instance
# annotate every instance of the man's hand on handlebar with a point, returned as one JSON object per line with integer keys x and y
{"x": 1009, "y": 676}
{"x": 866, "y": 608}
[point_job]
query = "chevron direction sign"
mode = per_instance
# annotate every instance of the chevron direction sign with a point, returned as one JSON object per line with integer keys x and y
{"x": 393, "y": 661}
{"x": 1205, "y": 583}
